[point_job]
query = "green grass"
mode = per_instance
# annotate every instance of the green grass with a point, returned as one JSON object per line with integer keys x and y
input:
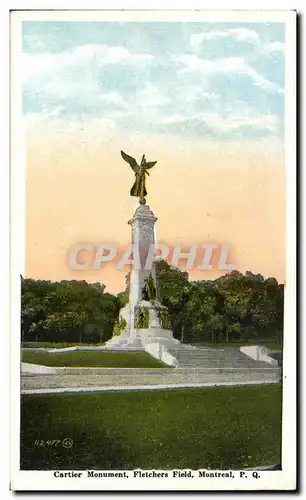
{"x": 274, "y": 346}
{"x": 218, "y": 428}
{"x": 92, "y": 359}
{"x": 58, "y": 345}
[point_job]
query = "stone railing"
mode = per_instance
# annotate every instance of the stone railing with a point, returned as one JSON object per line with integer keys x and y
{"x": 36, "y": 369}
{"x": 259, "y": 353}
{"x": 55, "y": 350}
{"x": 158, "y": 350}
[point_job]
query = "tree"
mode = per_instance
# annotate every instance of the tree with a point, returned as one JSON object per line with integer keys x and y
{"x": 67, "y": 311}
{"x": 232, "y": 307}
{"x": 173, "y": 292}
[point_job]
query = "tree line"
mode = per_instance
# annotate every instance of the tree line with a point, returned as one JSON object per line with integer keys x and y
{"x": 234, "y": 307}
{"x": 67, "y": 311}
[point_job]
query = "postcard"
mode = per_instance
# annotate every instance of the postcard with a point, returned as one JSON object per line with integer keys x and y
{"x": 153, "y": 189}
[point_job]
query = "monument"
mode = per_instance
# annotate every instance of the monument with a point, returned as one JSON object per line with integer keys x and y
{"x": 144, "y": 323}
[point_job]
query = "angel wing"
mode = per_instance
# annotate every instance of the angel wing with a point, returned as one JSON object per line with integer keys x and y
{"x": 149, "y": 164}
{"x": 131, "y": 161}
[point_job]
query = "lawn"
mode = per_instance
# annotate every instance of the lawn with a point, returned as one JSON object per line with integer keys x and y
{"x": 218, "y": 428}
{"x": 88, "y": 358}
{"x": 274, "y": 346}
{"x": 58, "y": 345}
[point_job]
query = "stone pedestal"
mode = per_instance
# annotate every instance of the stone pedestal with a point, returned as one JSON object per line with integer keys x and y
{"x": 136, "y": 331}
{"x": 143, "y": 238}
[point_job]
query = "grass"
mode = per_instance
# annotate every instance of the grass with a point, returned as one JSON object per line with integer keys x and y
{"x": 92, "y": 359}
{"x": 218, "y": 428}
{"x": 58, "y": 345}
{"x": 272, "y": 346}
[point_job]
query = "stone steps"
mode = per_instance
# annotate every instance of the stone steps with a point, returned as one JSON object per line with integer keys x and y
{"x": 189, "y": 356}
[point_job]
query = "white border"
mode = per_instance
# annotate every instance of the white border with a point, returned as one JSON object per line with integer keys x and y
{"x": 33, "y": 480}
{"x": 166, "y": 15}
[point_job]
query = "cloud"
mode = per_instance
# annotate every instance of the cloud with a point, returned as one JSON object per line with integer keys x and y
{"x": 169, "y": 120}
{"x": 52, "y": 123}
{"x": 71, "y": 81}
{"x": 238, "y": 34}
{"x": 103, "y": 55}
{"x": 242, "y": 36}
{"x": 112, "y": 98}
{"x": 228, "y": 123}
{"x": 44, "y": 115}
{"x": 151, "y": 97}
{"x": 274, "y": 47}
{"x": 230, "y": 65}
{"x": 268, "y": 123}
{"x": 33, "y": 43}
{"x": 44, "y": 64}
{"x": 220, "y": 81}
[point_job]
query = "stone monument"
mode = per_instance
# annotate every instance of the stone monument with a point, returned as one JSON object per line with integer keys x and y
{"x": 144, "y": 323}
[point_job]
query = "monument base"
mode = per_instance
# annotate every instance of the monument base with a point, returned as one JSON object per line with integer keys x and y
{"x": 125, "y": 342}
{"x": 155, "y": 341}
{"x": 142, "y": 330}
{"x": 125, "y": 337}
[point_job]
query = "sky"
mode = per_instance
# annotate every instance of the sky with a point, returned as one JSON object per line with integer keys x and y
{"x": 206, "y": 100}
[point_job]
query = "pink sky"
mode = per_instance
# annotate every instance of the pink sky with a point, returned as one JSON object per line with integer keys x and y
{"x": 77, "y": 190}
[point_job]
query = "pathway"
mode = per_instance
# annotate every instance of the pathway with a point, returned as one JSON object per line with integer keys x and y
{"x": 142, "y": 379}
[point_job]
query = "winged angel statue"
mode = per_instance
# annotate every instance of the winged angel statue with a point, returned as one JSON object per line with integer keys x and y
{"x": 139, "y": 186}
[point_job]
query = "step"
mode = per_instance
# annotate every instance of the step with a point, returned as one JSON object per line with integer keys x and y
{"x": 215, "y": 358}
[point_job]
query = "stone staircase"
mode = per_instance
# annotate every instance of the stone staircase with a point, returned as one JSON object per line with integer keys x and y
{"x": 213, "y": 358}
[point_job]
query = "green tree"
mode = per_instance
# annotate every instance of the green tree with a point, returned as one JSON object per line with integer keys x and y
{"x": 74, "y": 311}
